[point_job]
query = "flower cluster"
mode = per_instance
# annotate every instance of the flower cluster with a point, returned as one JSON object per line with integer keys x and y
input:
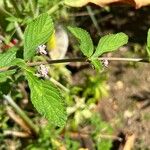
{"x": 42, "y": 71}
{"x": 42, "y": 49}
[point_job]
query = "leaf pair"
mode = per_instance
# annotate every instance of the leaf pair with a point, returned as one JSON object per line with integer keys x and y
{"x": 106, "y": 44}
{"x": 45, "y": 96}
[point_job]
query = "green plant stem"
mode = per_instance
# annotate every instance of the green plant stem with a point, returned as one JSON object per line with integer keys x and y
{"x": 92, "y": 16}
{"x": 5, "y": 12}
{"x": 68, "y": 60}
{"x": 21, "y": 113}
{"x": 15, "y": 5}
{"x": 59, "y": 84}
{"x": 37, "y": 9}
{"x": 54, "y": 8}
{"x": 19, "y": 31}
{"x": 32, "y": 7}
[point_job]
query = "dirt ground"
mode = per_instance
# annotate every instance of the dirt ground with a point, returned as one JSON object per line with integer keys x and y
{"x": 130, "y": 97}
{"x": 129, "y": 101}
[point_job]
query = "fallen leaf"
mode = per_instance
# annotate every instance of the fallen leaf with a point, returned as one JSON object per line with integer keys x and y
{"x": 102, "y": 3}
{"x": 130, "y": 142}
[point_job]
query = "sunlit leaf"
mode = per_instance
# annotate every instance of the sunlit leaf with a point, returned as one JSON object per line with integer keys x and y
{"x": 7, "y": 57}
{"x": 37, "y": 32}
{"x": 47, "y": 99}
{"x": 109, "y": 43}
{"x": 86, "y": 44}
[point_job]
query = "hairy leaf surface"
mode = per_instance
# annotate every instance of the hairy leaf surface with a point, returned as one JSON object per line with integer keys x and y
{"x": 109, "y": 43}
{"x": 86, "y": 44}
{"x": 47, "y": 99}
{"x": 37, "y": 32}
{"x": 7, "y": 57}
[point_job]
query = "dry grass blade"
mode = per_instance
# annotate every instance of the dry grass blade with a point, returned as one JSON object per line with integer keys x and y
{"x": 18, "y": 120}
{"x": 17, "y": 134}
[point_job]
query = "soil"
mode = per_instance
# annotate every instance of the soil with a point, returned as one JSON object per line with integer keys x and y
{"x": 130, "y": 96}
{"x": 128, "y": 104}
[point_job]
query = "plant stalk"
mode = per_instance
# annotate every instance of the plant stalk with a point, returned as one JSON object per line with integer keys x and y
{"x": 83, "y": 59}
{"x": 19, "y": 31}
{"x": 68, "y": 60}
{"x": 21, "y": 113}
{"x": 15, "y": 5}
{"x": 32, "y": 7}
{"x": 93, "y": 18}
{"x": 54, "y": 8}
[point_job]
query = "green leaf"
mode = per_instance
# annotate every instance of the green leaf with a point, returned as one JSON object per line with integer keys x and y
{"x": 10, "y": 26}
{"x": 4, "y": 75}
{"x": 19, "y": 62}
{"x": 37, "y": 32}
{"x": 97, "y": 64}
{"x": 148, "y": 43}
{"x": 7, "y": 57}
{"x": 110, "y": 43}
{"x": 47, "y": 99}
{"x": 86, "y": 44}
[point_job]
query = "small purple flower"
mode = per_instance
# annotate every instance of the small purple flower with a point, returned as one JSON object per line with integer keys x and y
{"x": 43, "y": 71}
{"x": 105, "y": 62}
{"x": 42, "y": 49}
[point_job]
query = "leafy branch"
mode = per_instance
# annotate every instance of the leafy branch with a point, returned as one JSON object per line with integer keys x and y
{"x": 45, "y": 96}
{"x": 83, "y": 59}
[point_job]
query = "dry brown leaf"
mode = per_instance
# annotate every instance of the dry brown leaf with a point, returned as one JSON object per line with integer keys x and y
{"x": 102, "y": 3}
{"x": 130, "y": 142}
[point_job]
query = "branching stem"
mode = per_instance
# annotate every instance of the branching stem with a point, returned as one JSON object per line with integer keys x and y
{"x": 82, "y": 59}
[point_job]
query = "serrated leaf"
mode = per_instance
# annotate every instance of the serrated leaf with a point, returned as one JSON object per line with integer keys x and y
{"x": 37, "y": 32}
{"x": 148, "y": 43}
{"x": 110, "y": 43}
{"x": 7, "y": 57}
{"x": 86, "y": 44}
{"x": 47, "y": 99}
{"x": 97, "y": 64}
